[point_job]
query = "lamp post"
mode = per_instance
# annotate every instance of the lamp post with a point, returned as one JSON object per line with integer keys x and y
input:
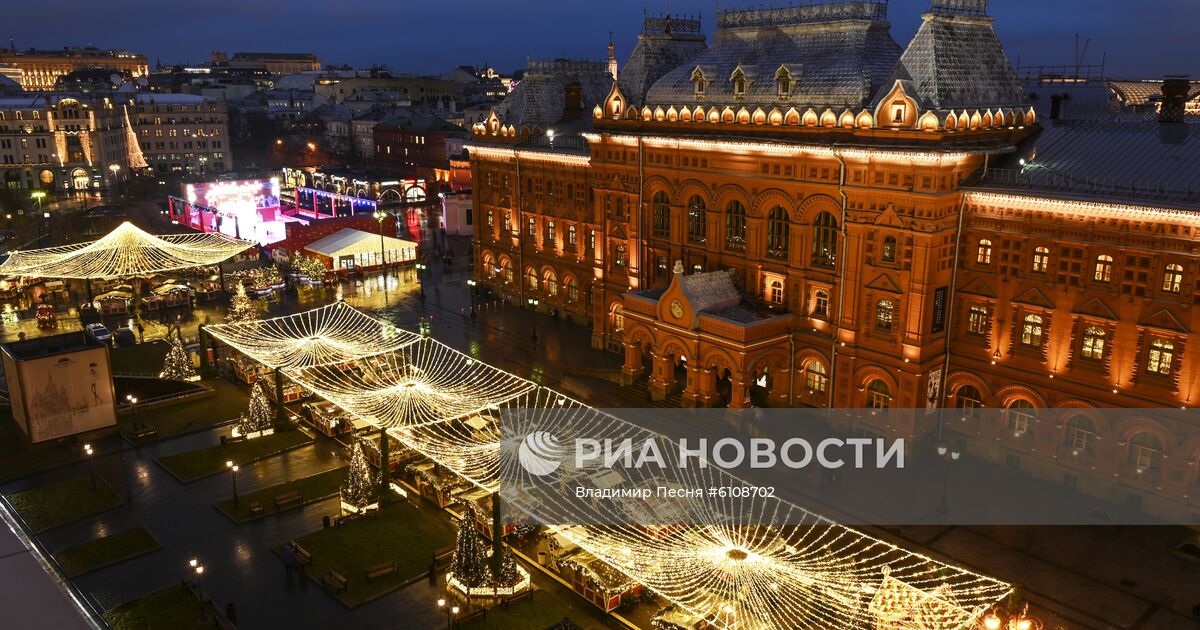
{"x": 116, "y": 170}
{"x": 380, "y": 215}
{"x": 87, "y": 449}
{"x": 38, "y": 196}
{"x": 420, "y": 283}
{"x": 997, "y": 620}
{"x": 132, "y": 400}
{"x": 948, "y": 455}
{"x": 471, "y": 291}
{"x": 233, "y": 471}
{"x": 198, "y": 571}
{"x": 451, "y": 611}
{"x": 533, "y": 304}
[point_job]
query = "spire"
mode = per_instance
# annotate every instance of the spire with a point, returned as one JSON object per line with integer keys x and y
{"x": 612, "y": 57}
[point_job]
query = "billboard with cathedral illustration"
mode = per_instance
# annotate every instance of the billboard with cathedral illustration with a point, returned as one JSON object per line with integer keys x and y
{"x": 59, "y": 386}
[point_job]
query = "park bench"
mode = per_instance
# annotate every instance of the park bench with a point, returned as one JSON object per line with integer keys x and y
{"x": 256, "y": 507}
{"x": 525, "y": 594}
{"x": 443, "y": 553}
{"x": 335, "y": 581}
{"x": 383, "y": 569}
{"x": 471, "y": 616}
{"x": 303, "y": 557}
{"x": 288, "y": 499}
{"x": 346, "y": 518}
{"x": 145, "y": 433}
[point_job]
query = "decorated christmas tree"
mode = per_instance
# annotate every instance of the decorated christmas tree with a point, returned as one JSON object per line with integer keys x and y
{"x": 177, "y": 366}
{"x": 258, "y": 417}
{"x": 309, "y": 266}
{"x": 361, "y": 488}
{"x": 469, "y": 564}
{"x": 241, "y": 307}
{"x": 508, "y": 574}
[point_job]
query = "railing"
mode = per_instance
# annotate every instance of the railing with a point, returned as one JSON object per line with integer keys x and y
{"x": 1045, "y": 179}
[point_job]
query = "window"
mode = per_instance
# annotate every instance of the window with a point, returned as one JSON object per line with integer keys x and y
{"x": 983, "y": 254}
{"x": 662, "y": 215}
{"x": 824, "y": 250}
{"x": 1173, "y": 278}
{"x": 697, "y": 221}
{"x": 550, "y": 235}
{"x": 885, "y": 315}
{"x": 1041, "y": 259}
{"x": 491, "y": 218}
{"x": 1104, "y": 267}
{"x": 1031, "y": 331}
{"x": 699, "y": 82}
{"x": 888, "y": 253}
{"x": 591, "y": 245}
{"x": 878, "y": 395}
{"x": 783, "y": 82}
{"x": 967, "y": 399}
{"x": 777, "y": 233}
{"x": 775, "y": 292}
{"x": 532, "y": 227}
{"x": 821, "y": 304}
{"x": 1081, "y": 434}
{"x": 618, "y": 317}
{"x": 550, "y": 283}
{"x": 571, "y": 237}
{"x": 735, "y": 227}
{"x": 1145, "y": 451}
{"x": 739, "y": 83}
{"x": 1021, "y": 414}
{"x": 1093, "y": 343}
{"x": 531, "y": 279}
{"x": 977, "y": 320}
{"x": 815, "y": 377}
{"x": 1161, "y": 356}
{"x": 572, "y": 289}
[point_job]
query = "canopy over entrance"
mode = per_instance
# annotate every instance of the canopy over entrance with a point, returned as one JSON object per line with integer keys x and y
{"x": 126, "y": 251}
{"x": 792, "y": 567}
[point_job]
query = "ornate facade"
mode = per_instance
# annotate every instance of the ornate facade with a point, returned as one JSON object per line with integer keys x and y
{"x": 806, "y": 213}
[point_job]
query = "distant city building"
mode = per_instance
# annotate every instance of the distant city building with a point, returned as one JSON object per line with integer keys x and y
{"x": 409, "y": 89}
{"x": 275, "y": 63}
{"x": 419, "y": 146}
{"x": 41, "y": 69}
{"x": 183, "y": 132}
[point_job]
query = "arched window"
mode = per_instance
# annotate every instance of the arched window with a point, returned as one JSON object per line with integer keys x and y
{"x": 879, "y": 396}
{"x": 983, "y": 253}
{"x": 550, "y": 283}
{"x": 1081, "y": 434}
{"x": 697, "y": 221}
{"x": 698, "y": 80}
{"x": 783, "y": 82}
{"x": 662, "y": 215}
{"x": 815, "y": 377}
{"x": 739, "y": 83}
{"x": 507, "y": 271}
{"x": 821, "y": 304}
{"x": 1031, "y": 331}
{"x": 618, "y": 317}
{"x": 531, "y": 227}
{"x": 551, "y": 235}
{"x": 572, "y": 289}
{"x": 1104, "y": 268}
{"x": 531, "y": 279}
{"x": 888, "y": 252}
{"x": 572, "y": 237}
{"x": 1173, "y": 278}
{"x": 775, "y": 292}
{"x": 777, "y": 233}
{"x": 735, "y": 226}
{"x": 1093, "y": 343}
{"x": 1161, "y": 357}
{"x": 1021, "y": 414}
{"x": 1041, "y": 259}
{"x": 967, "y": 399}
{"x": 885, "y": 315}
{"x": 1145, "y": 451}
{"x": 824, "y": 250}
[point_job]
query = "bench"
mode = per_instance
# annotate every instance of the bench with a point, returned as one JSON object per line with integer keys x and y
{"x": 346, "y": 518}
{"x": 525, "y": 594}
{"x": 145, "y": 433}
{"x": 335, "y": 581}
{"x": 256, "y": 507}
{"x": 471, "y": 616}
{"x": 288, "y": 499}
{"x": 383, "y": 569}
{"x": 303, "y": 557}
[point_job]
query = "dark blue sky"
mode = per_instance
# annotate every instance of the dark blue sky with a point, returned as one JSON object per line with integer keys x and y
{"x": 1143, "y": 38}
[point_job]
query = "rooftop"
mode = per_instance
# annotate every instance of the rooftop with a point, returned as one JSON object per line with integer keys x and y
{"x": 38, "y": 347}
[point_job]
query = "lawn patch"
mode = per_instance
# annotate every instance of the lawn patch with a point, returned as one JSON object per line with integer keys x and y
{"x": 52, "y": 505}
{"x": 544, "y": 609}
{"x": 400, "y": 532}
{"x": 193, "y": 465}
{"x": 172, "y": 608}
{"x": 141, "y": 358}
{"x": 312, "y": 488}
{"x": 226, "y": 404}
{"x": 17, "y": 459}
{"x": 105, "y": 551}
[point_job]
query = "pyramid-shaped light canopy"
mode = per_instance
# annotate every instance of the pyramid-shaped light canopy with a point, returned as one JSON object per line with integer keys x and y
{"x": 330, "y": 335}
{"x": 126, "y": 251}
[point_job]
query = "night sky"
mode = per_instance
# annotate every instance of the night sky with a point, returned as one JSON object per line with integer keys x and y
{"x": 1143, "y": 38}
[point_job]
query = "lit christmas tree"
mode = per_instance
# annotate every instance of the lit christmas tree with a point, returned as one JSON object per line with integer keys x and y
{"x": 309, "y": 267}
{"x": 469, "y": 565}
{"x": 177, "y": 366}
{"x": 361, "y": 488}
{"x": 241, "y": 307}
{"x": 508, "y": 574}
{"x": 258, "y": 417}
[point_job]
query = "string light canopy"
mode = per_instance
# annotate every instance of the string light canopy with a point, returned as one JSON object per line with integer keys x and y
{"x": 126, "y": 251}
{"x": 747, "y": 563}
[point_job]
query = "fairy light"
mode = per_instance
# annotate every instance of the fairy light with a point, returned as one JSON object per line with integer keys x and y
{"x": 755, "y": 562}
{"x": 126, "y": 251}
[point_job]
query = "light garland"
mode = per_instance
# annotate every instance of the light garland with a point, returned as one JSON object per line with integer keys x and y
{"x": 126, "y": 251}
{"x": 757, "y": 562}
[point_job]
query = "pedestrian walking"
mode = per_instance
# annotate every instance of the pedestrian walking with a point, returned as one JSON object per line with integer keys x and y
{"x": 289, "y": 559}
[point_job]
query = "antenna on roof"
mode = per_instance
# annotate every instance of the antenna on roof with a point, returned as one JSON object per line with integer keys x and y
{"x": 1080, "y": 55}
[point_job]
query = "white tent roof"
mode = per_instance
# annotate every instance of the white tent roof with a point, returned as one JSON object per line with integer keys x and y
{"x": 349, "y": 241}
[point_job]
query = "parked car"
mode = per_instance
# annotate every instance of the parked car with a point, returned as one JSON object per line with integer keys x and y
{"x": 100, "y": 332}
{"x": 124, "y": 337}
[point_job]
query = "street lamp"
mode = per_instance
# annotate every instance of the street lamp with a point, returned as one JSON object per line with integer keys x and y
{"x": 533, "y": 304}
{"x": 421, "y": 267}
{"x": 115, "y": 169}
{"x": 948, "y": 455}
{"x": 132, "y": 400}
{"x": 233, "y": 470}
{"x": 87, "y": 449}
{"x": 451, "y": 611}
{"x": 997, "y": 620}
{"x": 471, "y": 291}
{"x": 38, "y": 196}
{"x": 198, "y": 570}
{"x": 380, "y": 215}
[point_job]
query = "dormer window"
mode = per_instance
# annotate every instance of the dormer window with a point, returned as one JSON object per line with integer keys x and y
{"x": 898, "y": 112}
{"x": 783, "y": 82}
{"x": 739, "y": 82}
{"x": 699, "y": 81}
